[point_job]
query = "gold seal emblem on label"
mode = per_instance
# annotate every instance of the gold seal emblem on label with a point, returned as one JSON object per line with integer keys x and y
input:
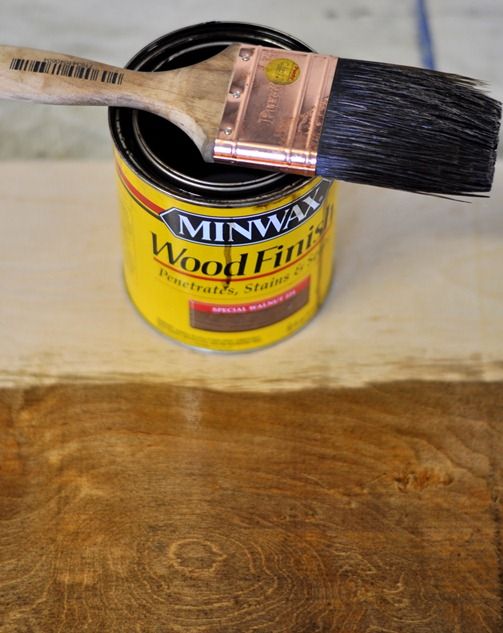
{"x": 282, "y": 71}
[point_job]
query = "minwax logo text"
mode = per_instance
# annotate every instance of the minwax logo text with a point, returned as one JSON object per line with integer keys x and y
{"x": 203, "y": 229}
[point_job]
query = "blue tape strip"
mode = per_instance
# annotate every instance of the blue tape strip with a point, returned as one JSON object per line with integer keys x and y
{"x": 424, "y": 33}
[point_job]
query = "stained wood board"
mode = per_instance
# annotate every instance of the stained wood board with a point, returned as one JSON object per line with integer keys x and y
{"x": 348, "y": 480}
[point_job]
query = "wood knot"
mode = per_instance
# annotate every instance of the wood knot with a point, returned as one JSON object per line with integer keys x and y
{"x": 421, "y": 478}
{"x": 195, "y": 556}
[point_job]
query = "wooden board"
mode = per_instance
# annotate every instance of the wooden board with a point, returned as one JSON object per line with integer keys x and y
{"x": 157, "y": 508}
{"x": 417, "y": 292}
{"x": 347, "y": 480}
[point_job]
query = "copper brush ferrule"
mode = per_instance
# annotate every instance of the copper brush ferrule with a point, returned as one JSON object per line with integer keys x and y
{"x": 280, "y": 126}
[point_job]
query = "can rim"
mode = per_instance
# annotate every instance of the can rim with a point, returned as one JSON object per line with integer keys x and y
{"x": 166, "y": 179}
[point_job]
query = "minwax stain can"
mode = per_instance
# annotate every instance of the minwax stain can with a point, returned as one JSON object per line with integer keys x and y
{"x": 217, "y": 257}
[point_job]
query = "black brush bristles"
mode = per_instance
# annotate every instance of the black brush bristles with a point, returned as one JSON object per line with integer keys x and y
{"x": 408, "y": 128}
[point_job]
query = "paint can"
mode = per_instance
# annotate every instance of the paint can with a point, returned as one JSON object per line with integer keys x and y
{"x": 216, "y": 257}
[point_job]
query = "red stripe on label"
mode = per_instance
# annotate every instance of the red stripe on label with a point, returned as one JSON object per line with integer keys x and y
{"x": 253, "y": 306}
{"x": 137, "y": 194}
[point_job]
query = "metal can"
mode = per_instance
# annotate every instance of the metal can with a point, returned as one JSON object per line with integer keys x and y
{"x": 217, "y": 257}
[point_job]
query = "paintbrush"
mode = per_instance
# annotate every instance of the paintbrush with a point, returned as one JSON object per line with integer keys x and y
{"x": 366, "y": 122}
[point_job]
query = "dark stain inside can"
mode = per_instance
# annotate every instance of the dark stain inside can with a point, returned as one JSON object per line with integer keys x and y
{"x": 159, "y": 150}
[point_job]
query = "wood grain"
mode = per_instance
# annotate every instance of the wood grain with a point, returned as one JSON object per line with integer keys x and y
{"x": 327, "y": 484}
{"x": 157, "y": 508}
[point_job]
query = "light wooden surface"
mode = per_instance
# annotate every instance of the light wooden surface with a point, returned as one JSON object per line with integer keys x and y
{"x": 417, "y": 293}
{"x": 348, "y": 480}
{"x": 468, "y": 35}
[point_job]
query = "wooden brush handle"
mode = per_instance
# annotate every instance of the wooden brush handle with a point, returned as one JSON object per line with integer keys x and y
{"x": 45, "y": 77}
{"x": 193, "y": 98}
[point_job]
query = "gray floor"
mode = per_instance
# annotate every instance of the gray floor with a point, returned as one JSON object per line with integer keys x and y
{"x": 467, "y": 37}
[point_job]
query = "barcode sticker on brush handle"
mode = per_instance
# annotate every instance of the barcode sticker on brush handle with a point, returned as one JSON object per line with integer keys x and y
{"x": 66, "y": 69}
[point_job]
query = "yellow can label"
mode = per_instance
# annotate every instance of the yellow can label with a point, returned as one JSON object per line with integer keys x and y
{"x": 227, "y": 279}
